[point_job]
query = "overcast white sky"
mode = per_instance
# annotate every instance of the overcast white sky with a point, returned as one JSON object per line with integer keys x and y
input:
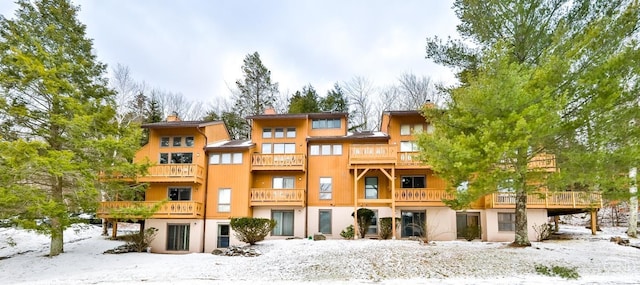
{"x": 196, "y": 47}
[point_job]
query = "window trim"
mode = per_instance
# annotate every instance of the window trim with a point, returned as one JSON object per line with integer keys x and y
{"x": 162, "y": 142}
{"x": 511, "y": 223}
{"x": 330, "y": 192}
{"x": 224, "y": 206}
{"x": 293, "y": 222}
{"x": 377, "y": 186}
{"x": 177, "y": 188}
{"x": 413, "y": 184}
{"x": 187, "y": 237}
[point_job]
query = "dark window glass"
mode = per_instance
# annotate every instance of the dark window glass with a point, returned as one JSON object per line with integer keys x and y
{"x": 164, "y": 158}
{"x": 182, "y": 157}
{"x": 188, "y": 141}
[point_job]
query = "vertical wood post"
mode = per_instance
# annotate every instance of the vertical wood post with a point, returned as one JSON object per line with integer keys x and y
{"x": 355, "y": 203}
{"x": 594, "y": 221}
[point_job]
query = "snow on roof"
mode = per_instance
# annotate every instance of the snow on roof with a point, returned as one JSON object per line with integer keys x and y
{"x": 230, "y": 144}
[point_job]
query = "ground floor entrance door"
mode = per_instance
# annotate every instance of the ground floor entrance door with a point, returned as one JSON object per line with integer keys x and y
{"x": 468, "y": 225}
{"x": 413, "y": 223}
{"x": 223, "y": 236}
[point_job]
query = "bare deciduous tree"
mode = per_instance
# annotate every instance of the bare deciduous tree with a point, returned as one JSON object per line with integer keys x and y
{"x": 360, "y": 92}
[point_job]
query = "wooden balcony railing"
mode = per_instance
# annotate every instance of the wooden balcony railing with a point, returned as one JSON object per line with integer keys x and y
{"x": 573, "y": 200}
{"x": 174, "y": 173}
{"x": 546, "y": 162}
{"x": 422, "y": 195}
{"x": 171, "y": 209}
{"x": 292, "y": 161}
{"x": 372, "y": 154}
{"x": 409, "y": 158}
{"x": 277, "y": 197}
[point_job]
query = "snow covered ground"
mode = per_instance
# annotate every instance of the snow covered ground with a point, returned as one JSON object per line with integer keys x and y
{"x": 598, "y": 261}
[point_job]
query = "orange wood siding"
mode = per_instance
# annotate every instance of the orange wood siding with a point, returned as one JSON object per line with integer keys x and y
{"x": 299, "y": 140}
{"x": 328, "y": 132}
{"x": 334, "y": 166}
{"x": 216, "y": 132}
{"x": 160, "y": 191}
{"x": 236, "y": 177}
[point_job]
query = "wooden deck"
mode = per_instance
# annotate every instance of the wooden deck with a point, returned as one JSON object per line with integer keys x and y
{"x": 169, "y": 210}
{"x": 192, "y": 173}
{"x": 372, "y": 154}
{"x": 421, "y": 197}
{"x": 277, "y": 197}
{"x": 293, "y": 161}
{"x": 551, "y": 200}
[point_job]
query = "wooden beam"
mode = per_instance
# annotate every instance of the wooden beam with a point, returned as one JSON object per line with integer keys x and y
{"x": 594, "y": 222}
{"x": 362, "y": 174}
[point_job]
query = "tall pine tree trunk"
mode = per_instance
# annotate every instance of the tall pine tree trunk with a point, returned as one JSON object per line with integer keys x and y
{"x": 57, "y": 231}
{"x": 633, "y": 203}
{"x": 520, "y": 185}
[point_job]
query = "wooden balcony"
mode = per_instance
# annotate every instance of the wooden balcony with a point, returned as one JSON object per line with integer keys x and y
{"x": 421, "y": 197}
{"x": 277, "y": 197}
{"x": 544, "y": 162}
{"x": 174, "y": 173}
{"x": 372, "y": 154}
{"x": 292, "y": 161}
{"x": 169, "y": 210}
{"x": 551, "y": 200}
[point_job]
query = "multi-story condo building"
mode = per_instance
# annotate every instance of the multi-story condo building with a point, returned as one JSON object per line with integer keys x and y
{"x": 307, "y": 172}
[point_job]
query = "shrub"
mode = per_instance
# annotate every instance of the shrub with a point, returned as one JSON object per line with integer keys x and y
{"x": 555, "y": 270}
{"x": 347, "y": 233}
{"x": 386, "y": 227}
{"x": 252, "y": 230}
{"x": 471, "y": 232}
{"x": 365, "y": 216}
{"x": 543, "y": 231}
{"x": 140, "y": 241}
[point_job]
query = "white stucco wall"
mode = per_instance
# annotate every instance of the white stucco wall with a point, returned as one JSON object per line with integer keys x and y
{"x": 159, "y": 244}
{"x": 535, "y": 217}
{"x": 211, "y": 235}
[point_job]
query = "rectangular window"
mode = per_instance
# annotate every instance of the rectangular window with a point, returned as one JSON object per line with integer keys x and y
{"x": 164, "y": 141}
{"x": 283, "y": 182}
{"x": 224, "y": 200}
{"x": 325, "y": 124}
{"x": 266, "y": 133}
{"x": 337, "y": 149}
{"x": 371, "y": 187}
{"x": 326, "y": 149}
{"x": 418, "y": 128}
{"x": 280, "y": 148}
{"x": 226, "y": 158}
{"x": 405, "y": 130}
{"x": 291, "y": 132}
{"x": 279, "y": 133}
{"x": 179, "y": 194}
{"x": 214, "y": 159}
{"x": 289, "y": 148}
{"x": 177, "y": 141}
{"x": 324, "y": 221}
{"x": 182, "y": 157}
{"x": 315, "y": 150}
{"x": 326, "y": 188}
{"x": 408, "y": 146}
{"x": 506, "y": 222}
{"x": 413, "y": 182}
{"x": 223, "y": 236}
{"x": 266, "y": 148}
{"x": 284, "y": 223}
{"x": 178, "y": 237}
{"x": 188, "y": 141}
{"x": 413, "y": 223}
{"x": 237, "y": 158}
{"x": 164, "y": 158}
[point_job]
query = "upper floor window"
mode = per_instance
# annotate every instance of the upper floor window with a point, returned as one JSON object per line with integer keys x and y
{"x": 164, "y": 141}
{"x": 279, "y": 133}
{"x": 413, "y": 182}
{"x": 278, "y": 148}
{"x": 283, "y": 182}
{"x": 326, "y": 149}
{"x": 291, "y": 132}
{"x": 176, "y": 141}
{"x": 266, "y": 133}
{"x": 176, "y": 157}
{"x": 326, "y": 188}
{"x": 325, "y": 124}
{"x": 408, "y": 129}
{"x": 225, "y": 158}
{"x": 408, "y": 146}
{"x": 224, "y": 200}
{"x": 179, "y": 193}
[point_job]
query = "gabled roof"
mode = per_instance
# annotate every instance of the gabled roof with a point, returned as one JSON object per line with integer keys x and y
{"x": 325, "y": 115}
{"x": 230, "y": 144}
{"x": 179, "y": 124}
{"x": 404, "y": 113}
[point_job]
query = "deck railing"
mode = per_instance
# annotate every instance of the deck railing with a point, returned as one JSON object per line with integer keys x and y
{"x": 576, "y": 200}
{"x": 174, "y": 173}
{"x": 171, "y": 209}
{"x": 277, "y": 197}
{"x": 289, "y": 161}
{"x": 422, "y": 195}
{"x": 372, "y": 153}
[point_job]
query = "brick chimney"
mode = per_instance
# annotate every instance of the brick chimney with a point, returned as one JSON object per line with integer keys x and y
{"x": 173, "y": 117}
{"x": 269, "y": 111}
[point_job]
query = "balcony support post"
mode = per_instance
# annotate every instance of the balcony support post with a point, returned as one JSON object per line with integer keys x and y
{"x": 594, "y": 221}
{"x": 355, "y": 202}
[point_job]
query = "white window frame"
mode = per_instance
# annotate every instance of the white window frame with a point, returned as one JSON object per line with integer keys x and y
{"x": 236, "y": 158}
{"x": 224, "y": 200}
{"x": 291, "y": 132}
{"x": 405, "y": 129}
{"x": 509, "y": 223}
{"x": 225, "y": 158}
{"x": 214, "y": 158}
{"x": 314, "y": 149}
{"x": 280, "y": 182}
{"x": 266, "y": 133}
{"x": 326, "y": 188}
